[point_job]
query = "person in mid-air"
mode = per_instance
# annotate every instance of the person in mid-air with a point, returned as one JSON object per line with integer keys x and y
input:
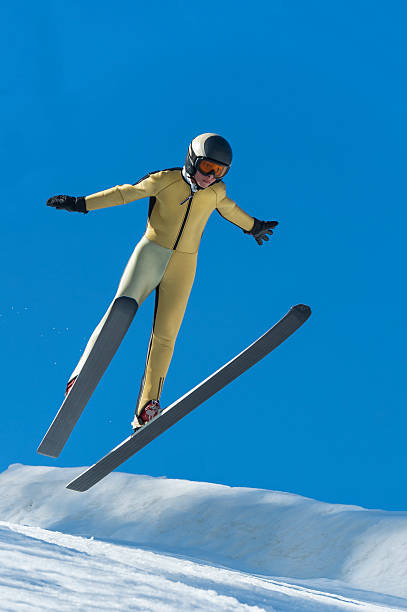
{"x": 181, "y": 201}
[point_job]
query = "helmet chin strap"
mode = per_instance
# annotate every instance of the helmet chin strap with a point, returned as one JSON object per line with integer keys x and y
{"x": 190, "y": 179}
{"x": 191, "y": 183}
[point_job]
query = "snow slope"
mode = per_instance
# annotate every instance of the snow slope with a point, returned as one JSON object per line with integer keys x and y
{"x": 170, "y": 544}
{"x": 48, "y": 571}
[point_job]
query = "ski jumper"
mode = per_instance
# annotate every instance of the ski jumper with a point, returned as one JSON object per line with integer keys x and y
{"x": 164, "y": 259}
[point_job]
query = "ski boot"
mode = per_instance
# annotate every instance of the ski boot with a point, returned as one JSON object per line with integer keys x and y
{"x": 150, "y": 411}
{"x": 70, "y": 385}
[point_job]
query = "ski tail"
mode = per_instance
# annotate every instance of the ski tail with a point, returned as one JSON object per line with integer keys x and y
{"x": 112, "y": 333}
{"x": 295, "y": 317}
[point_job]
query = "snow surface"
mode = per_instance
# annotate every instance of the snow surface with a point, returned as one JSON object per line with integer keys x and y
{"x": 142, "y": 543}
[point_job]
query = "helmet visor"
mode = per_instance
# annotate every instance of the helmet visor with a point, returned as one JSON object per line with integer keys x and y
{"x": 207, "y": 167}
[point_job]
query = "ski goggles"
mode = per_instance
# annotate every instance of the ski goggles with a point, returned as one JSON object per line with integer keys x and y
{"x": 207, "y": 167}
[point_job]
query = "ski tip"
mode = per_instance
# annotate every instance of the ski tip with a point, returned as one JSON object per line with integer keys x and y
{"x": 303, "y": 310}
{"x": 75, "y": 487}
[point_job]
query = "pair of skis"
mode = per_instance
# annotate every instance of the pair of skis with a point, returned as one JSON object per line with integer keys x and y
{"x": 73, "y": 406}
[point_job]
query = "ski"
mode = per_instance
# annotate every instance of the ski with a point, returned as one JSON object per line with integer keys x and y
{"x": 110, "y": 337}
{"x": 296, "y": 316}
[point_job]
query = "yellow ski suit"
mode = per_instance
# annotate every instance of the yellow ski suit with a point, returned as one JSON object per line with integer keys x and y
{"x": 165, "y": 258}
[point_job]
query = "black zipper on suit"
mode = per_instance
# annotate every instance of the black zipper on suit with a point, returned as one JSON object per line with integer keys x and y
{"x": 184, "y": 221}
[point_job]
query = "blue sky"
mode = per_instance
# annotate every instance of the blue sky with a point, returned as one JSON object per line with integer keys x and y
{"x": 312, "y": 97}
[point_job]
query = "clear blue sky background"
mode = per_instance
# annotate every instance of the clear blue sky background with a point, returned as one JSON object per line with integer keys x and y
{"x": 312, "y": 96}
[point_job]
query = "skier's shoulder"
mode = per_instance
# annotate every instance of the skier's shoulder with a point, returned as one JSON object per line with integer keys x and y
{"x": 162, "y": 177}
{"x": 219, "y": 188}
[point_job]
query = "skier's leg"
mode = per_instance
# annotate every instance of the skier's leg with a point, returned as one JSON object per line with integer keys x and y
{"x": 142, "y": 274}
{"x": 171, "y": 300}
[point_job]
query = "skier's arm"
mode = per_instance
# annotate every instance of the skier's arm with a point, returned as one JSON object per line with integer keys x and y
{"x": 229, "y": 210}
{"x": 260, "y": 230}
{"x": 121, "y": 194}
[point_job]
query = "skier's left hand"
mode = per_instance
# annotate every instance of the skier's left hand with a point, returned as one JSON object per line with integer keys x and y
{"x": 261, "y": 230}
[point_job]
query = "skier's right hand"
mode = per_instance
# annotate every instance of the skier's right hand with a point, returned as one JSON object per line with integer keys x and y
{"x": 68, "y": 203}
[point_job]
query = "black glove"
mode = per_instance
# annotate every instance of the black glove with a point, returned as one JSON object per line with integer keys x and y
{"x": 261, "y": 229}
{"x": 68, "y": 203}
